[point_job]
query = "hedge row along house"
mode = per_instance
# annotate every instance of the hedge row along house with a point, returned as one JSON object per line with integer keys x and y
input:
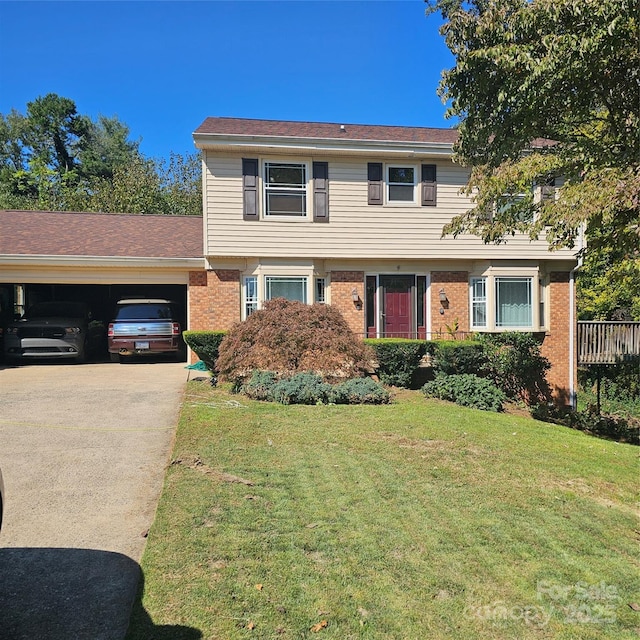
{"x": 352, "y": 216}
{"x": 340, "y": 214}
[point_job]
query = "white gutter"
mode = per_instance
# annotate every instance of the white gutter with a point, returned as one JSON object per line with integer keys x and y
{"x": 102, "y": 261}
{"x": 213, "y": 140}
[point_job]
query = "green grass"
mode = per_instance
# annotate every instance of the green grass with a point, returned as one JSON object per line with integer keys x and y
{"x": 414, "y": 520}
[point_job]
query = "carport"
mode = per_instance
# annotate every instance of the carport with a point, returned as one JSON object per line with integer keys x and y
{"x": 96, "y": 258}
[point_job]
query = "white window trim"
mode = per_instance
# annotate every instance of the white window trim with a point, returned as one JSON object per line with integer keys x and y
{"x": 261, "y": 272}
{"x": 416, "y": 183}
{"x": 538, "y": 282}
{"x": 263, "y": 190}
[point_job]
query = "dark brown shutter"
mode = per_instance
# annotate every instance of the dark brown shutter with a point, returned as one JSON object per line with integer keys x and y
{"x": 250, "y": 188}
{"x": 321, "y": 192}
{"x": 429, "y": 188}
{"x": 375, "y": 182}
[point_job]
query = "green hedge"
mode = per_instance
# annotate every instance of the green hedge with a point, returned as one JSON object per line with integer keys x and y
{"x": 455, "y": 357}
{"x": 398, "y": 359}
{"x": 205, "y": 345}
{"x": 466, "y": 390}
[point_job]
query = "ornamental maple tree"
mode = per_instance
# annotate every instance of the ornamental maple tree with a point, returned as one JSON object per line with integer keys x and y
{"x": 547, "y": 90}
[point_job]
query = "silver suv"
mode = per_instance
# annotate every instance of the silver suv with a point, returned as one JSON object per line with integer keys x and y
{"x": 144, "y": 326}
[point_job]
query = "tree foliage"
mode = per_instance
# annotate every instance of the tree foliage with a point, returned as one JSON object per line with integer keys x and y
{"x": 54, "y": 158}
{"x": 547, "y": 90}
{"x": 289, "y": 337}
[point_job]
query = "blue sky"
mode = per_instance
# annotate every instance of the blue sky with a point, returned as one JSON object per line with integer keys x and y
{"x": 162, "y": 67}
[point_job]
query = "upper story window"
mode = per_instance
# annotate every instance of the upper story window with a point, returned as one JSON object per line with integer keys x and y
{"x": 294, "y": 191}
{"x": 401, "y": 184}
{"x": 285, "y": 189}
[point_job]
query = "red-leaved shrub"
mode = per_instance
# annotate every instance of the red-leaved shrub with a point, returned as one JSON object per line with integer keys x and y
{"x": 289, "y": 337}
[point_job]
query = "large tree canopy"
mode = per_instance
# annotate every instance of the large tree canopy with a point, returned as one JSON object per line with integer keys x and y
{"x": 54, "y": 158}
{"x": 547, "y": 93}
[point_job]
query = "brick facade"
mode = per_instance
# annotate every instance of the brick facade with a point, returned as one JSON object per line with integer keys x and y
{"x": 342, "y": 285}
{"x": 556, "y": 346}
{"x": 215, "y": 304}
{"x": 456, "y": 288}
{"x": 214, "y": 299}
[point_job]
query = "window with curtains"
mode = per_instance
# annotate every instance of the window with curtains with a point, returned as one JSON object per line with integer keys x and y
{"x": 289, "y": 287}
{"x": 514, "y": 304}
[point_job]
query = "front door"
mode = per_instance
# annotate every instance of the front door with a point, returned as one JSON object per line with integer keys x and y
{"x": 397, "y": 316}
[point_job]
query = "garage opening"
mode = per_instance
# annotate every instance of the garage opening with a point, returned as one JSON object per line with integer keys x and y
{"x": 101, "y": 298}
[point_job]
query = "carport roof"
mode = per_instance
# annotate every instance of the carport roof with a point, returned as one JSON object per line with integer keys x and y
{"x": 61, "y": 233}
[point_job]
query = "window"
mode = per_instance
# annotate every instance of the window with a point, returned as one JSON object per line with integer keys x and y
{"x": 398, "y": 184}
{"x": 250, "y": 295}
{"x": 320, "y": 293}
{"x": 285, "y": 189}
{"x": 515, "y": 205}
{"x": 506, "y": 302}
{"x": 478, "y": 302}
{"x": 513, "y": 302}
{"x": 401, "y": 183}
{"x": 289, "y": 287}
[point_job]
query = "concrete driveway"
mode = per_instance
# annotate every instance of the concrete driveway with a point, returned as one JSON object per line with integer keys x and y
{"x": 83, "y": 450}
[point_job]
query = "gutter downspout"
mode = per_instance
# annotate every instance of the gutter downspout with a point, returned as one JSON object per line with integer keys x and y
{"x": 573, "y": 394}
{"x": 573, "y": 397}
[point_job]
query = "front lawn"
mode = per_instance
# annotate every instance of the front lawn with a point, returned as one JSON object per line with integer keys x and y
{"x": 414, "y": 520}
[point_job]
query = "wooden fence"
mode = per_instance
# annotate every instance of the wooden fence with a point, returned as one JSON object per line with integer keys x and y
{"x": 608, "y": 342}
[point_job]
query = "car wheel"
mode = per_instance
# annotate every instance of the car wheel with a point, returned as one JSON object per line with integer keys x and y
{"x": 114, "y": 357}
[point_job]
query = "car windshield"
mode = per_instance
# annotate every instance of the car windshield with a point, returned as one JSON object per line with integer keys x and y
{"x": 144, "y": 312}
{"x": 56, "y": 310}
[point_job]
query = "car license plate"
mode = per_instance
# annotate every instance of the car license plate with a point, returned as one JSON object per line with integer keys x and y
{"x": 142, "y": 345}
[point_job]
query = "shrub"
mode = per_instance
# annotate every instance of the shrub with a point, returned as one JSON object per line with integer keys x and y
{"x": 456, "y": 357}
{"x": 515, "y": 364}
{"x": 260, "y": 386}
{"x": 359, "y": 391}
{"x": 302, "y": 388}
{"x": 612, "y": 426}
{"x": 397, "y": 359}
{"x": 205, "y": 345}
{"x": 290, "y": 337}
{"x": 620, "y": 384}
{"x": 466, "y": 390}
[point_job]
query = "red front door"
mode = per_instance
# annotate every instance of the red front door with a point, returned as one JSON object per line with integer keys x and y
{"x": 397, "y": 307}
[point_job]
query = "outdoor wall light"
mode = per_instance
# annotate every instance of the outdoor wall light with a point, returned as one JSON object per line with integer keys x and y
{"x": 356, "y": 299}
{"x": 444, "y": 301}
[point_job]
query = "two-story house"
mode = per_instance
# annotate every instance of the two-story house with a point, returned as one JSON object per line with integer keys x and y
{"x": 352, "y": 215}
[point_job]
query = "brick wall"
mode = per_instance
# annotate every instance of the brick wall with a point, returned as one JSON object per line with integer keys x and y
{"x": 556, "y": 346}
{"x": 214, "y": 299}
{"x": 456, "y": 287}
{"x": 342, "y": 285}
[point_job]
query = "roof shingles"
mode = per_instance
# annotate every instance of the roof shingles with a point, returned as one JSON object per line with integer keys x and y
{"x": 56, "y": 233}
{"x": 324, "y": 130}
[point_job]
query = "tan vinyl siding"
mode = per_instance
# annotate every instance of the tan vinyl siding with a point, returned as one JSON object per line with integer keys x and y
{"x": 355, "y": 229}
